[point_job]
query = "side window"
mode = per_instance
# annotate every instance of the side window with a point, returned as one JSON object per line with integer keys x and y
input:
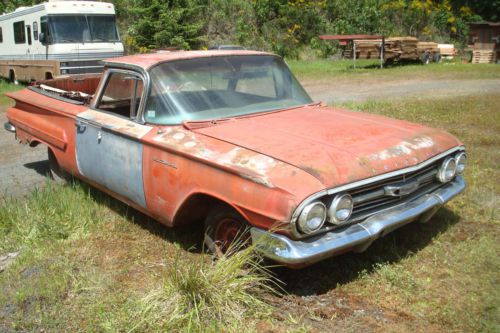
{"x": 35, "y": 30}
{"x": 28, "y": 33}
{"x": 19, "y": 33}
{"x": 122, "y": 94}
{"x": 1, "y": 35}
{"x": 44, "y": 29}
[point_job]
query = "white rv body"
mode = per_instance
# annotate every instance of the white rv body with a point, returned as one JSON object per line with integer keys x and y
{"x": 76, "y": 34}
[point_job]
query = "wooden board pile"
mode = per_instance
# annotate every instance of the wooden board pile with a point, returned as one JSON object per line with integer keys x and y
{"x": 430, "y": 47}
{"x": 447, "y": 50}
{"x": 401, "y": 48}
{"x": 483, "y": 57}
{"x": 394, "y": 47}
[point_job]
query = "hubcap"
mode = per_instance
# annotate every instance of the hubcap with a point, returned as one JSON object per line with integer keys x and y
{"x": 228, "y": 230}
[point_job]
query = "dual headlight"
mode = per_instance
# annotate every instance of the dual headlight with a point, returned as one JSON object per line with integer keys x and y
{"x": 314, "y": 215}
{"x": 452, "y": 166}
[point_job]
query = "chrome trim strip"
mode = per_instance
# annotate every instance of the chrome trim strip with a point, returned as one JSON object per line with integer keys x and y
{"x": 80, "y": 67}
{"x": 363, "y": 182}
{"x": 356, "y": 237}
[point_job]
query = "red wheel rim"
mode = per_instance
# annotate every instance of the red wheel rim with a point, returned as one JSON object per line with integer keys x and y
{"x": 228, "y": 230}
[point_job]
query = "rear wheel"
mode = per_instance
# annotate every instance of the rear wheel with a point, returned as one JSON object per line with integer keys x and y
{"x": 56, "y": 172}
{"x": 225, "y": 231}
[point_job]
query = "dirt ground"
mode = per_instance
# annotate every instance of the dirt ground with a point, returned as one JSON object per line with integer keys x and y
{"x": 23, "y": 168}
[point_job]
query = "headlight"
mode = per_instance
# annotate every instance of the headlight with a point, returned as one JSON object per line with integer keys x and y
{"x": 447, "y": 170}
{"x": 461, "y": 162}
{"x": 341, "y": 208}
{"x": 312, "y": 217}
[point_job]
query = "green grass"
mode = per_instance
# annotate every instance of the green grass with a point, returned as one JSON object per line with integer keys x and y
{"x": 88, "y": 263}
{"x": 7, "y": 87}
{"x": 330, "y": 69}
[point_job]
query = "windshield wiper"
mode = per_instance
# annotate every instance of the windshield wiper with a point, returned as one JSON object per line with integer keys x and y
{"x": 194, "y": 124}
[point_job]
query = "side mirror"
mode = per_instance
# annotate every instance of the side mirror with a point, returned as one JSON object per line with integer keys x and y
{"x": 43, "y": 38}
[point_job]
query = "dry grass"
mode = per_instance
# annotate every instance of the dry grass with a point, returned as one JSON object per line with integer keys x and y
{"x": 88, "y": 263}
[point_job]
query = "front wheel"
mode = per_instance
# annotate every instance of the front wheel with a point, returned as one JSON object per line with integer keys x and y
{"x": 225, "y": 231}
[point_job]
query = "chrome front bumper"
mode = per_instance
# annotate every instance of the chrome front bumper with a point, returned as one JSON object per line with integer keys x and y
{"x": 356, "y": 237}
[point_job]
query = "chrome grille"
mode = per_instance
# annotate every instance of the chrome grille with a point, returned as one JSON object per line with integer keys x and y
{"x": 377, "y": 196}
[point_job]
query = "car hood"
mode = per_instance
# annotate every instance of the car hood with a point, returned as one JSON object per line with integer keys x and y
{"x": 335, "y": 146}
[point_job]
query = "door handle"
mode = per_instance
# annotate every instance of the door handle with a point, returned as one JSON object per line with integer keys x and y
{"x": 80, "y": 127}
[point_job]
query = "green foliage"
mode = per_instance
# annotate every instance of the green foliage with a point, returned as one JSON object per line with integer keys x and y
{"x": 153, "y": 24}
{"x": 287, "y": 27}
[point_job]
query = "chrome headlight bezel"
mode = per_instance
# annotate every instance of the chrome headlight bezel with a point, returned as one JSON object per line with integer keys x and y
{"x": 343, "y": 204}
{"x": 304, "y": 218}
{"x": 448, "y": 170}
{"x": 461, "y": 161}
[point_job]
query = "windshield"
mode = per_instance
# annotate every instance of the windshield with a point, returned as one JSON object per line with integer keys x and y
{"x": 220, "y": 87}
{"x": 83, "y": 28}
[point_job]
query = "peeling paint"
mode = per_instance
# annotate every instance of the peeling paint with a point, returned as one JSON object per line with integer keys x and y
{"x": 405, "y": 147}
{"x": 121, "y": 125}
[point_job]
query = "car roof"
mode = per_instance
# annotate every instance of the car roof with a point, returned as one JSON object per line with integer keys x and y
{"x": 146, "y": 61}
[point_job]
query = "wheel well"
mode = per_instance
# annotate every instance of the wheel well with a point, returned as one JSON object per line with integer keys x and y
{"x": 34, "y": 143}
{"x": 196, "y": 208}
{"x": 48, "y": 76}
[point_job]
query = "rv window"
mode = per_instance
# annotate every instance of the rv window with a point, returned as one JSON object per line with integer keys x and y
{"x": 1, "y": 36}
{"x": 44, "y": 29}
{"x": 28, "y": 33}
{"x": 122, "y": 95}
{"x": 19, "y": 33}
{"x": 35, "y": 30}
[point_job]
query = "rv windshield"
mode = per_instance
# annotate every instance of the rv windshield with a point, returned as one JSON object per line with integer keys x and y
{"x": 220, "y": 87}
{"x": 83, "y": 28}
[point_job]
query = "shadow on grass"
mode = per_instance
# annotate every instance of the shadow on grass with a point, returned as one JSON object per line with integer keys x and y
{"x": 328, "y": 274}
{"x": 188, "y": 237}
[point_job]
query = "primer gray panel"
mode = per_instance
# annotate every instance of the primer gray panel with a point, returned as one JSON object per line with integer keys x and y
{"x": 114, "y": 161}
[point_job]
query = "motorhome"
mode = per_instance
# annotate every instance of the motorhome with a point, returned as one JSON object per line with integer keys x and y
{"x": 56, "y": 38}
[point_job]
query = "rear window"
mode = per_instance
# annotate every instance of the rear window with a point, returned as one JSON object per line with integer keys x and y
{"x": 19, "y": 33}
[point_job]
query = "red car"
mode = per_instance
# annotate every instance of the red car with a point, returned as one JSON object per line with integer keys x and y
{"x": 231, "y": 138}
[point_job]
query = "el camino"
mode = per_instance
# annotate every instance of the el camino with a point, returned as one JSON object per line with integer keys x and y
{"x": 232, "y": 139}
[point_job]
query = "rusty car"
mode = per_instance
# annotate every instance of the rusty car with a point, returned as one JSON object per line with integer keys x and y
{"x": 232, "y": 140}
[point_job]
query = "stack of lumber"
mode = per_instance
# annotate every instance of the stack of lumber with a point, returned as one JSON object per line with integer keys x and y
{"x": 447, "y": 50}
{"x": 483, "y": 57}
{"x": 394, "y": 47}
{"x": 401, "y": 47}
{"x": 365, "y": 49}
{"x": 430, "y": 47}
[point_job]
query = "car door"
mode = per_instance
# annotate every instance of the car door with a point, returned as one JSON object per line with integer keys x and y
{"x": 108, "y": 137}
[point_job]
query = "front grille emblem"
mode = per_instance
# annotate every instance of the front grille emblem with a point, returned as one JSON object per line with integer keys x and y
{"x": 401, "y": 189}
